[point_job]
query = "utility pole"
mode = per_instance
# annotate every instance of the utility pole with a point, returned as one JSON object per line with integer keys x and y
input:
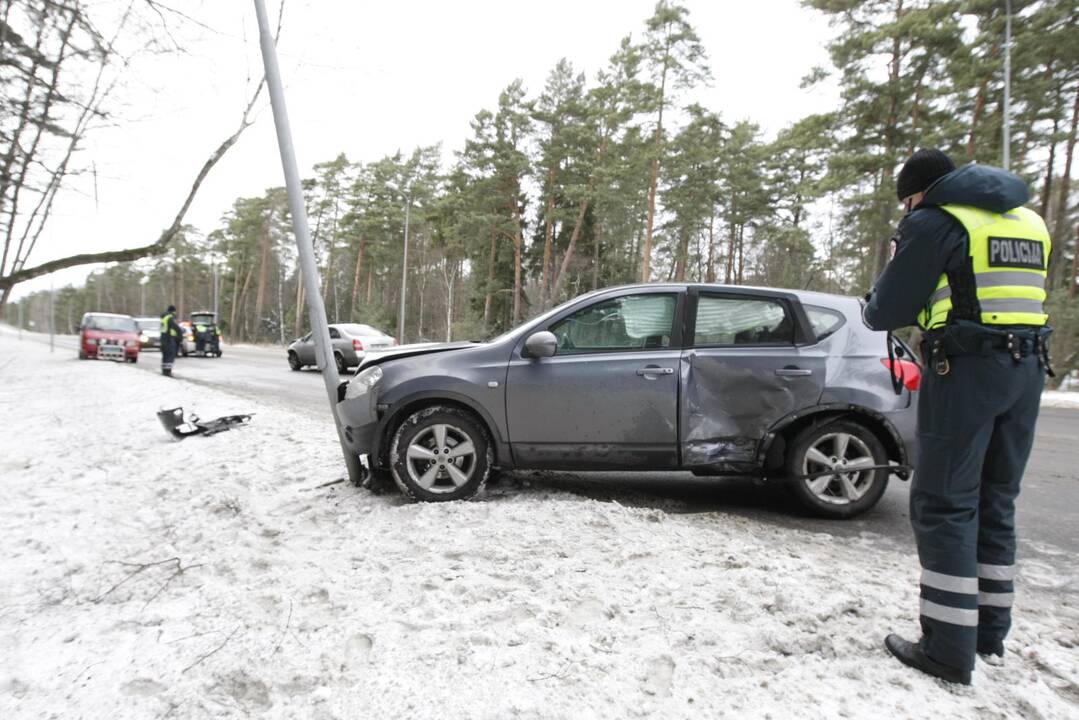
{"x": 1007, "y": 84}
{"x": 404, "y": 273}
{"x": 320, "y": 330}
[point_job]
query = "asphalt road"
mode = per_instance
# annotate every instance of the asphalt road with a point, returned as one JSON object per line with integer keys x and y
{"x": 1048, "y": 505}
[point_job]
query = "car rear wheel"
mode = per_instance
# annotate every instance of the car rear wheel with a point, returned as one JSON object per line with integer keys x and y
{"x": 294, "y": 361}
{"x": 439, "y": 454}
{"x": 846, "y": 447}
{"x": 340, "y": 362}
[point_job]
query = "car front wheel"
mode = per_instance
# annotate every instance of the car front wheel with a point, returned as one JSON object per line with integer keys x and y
{"x": 843, "y": 449}
{"x": 294, "y": 361}
{"x": 439, "y": 454}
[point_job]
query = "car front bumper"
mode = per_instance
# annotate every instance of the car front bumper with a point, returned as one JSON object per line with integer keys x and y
{"x": 361, "y": 423}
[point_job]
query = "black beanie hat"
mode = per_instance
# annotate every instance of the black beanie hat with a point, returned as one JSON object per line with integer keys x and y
{"x": 923, "y": 169}
{"x": 170, "y": 308}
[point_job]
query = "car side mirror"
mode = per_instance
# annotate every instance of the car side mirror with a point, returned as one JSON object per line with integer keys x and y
{"x": 540, "y": 345}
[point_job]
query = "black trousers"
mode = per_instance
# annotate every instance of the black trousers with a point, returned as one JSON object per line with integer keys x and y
{"x": 975, "y": 431}
{"x": 169, "y": 346}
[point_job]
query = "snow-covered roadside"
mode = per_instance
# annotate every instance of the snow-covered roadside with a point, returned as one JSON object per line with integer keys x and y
{"x": 1060, "y": 399}
{"x": 275, "y": 597}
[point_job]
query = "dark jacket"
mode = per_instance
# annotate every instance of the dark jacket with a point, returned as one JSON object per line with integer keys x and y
{"x": 932, "y": 242}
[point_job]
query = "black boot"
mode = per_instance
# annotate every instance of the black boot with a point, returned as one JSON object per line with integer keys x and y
{"x": 167, "y": 372}
{"x": 912, "y": 655}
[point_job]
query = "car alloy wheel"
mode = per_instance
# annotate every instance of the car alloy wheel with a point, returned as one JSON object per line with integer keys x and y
{"x": 440, "y": 453}
{"x": 845, "y": 453}
{"x": 441, "y": 458}
{"x": 845, "y": 450}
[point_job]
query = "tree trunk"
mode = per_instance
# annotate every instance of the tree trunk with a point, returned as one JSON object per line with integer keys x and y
{"x": 1060, "y": 215}
{"x": 646, "y": 262}
{"x": 976, "y": 117}
{"x": 300, "y": 298}
{"x": 683, "y": 256}
{"x": 711, "y": 269}
{"x": 1075, "y": 266}
{"x": 560, "y": 278}
{"x": 235, "y": 299}
{"x": 264, "y": 268}
{"x": 596, "y": 234}
{"x": 356, "y": 277}
{"x": 548, "y": 239}
{"x": 489, "y": 296}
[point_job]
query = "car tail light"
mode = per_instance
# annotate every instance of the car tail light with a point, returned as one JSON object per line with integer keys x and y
{"x": 908, "y": 372}
{"x": 357, "y": 345}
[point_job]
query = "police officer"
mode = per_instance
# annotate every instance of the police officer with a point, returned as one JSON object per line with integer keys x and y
{"x": 969, "y": 267}
{"x": 171, "y": 337}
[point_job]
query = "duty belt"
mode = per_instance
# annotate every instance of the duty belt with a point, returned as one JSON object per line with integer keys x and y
{"x": 956, "y": 341}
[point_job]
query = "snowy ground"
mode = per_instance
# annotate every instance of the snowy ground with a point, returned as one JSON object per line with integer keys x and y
{"x": 1060, "y": 399}
{"x": 141, "y": 577}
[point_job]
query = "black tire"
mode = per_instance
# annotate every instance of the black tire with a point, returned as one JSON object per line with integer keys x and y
{"x": 183, "y": 352}
{"x": 133, "y": 360}
{"x": 82, "y": 355}
{"x": 830, "y": 496}
{"x": 469, "y": 472}
{"x": 294, "y": 361}
{"x": 340, "y": 362}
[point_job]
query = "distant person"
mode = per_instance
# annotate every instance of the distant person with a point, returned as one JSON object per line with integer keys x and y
{"x": 970, "y": 267}
{"x": 171, "y": 337}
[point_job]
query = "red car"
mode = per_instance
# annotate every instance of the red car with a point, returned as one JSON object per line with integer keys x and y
{"x": 107, "y": 336}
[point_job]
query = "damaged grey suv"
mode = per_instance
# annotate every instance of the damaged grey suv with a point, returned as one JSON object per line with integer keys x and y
{"x": 784, "y": 385}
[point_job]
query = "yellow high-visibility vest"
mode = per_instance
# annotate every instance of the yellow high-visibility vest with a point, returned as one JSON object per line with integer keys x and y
{"x": 1010, "y": 255}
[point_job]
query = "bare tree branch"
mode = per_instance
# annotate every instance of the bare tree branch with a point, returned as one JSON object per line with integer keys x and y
{"x": 22, "y": 274}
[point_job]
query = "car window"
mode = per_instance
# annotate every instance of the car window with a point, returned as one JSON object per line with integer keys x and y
{"x": 630, "y": 322}
{"x": 725, "y": 320}
{"x": 334, "y": 335}
{"x": 824, "y": 321}
{"x": 202, "y": 319}
{"x": 306, "y": 338}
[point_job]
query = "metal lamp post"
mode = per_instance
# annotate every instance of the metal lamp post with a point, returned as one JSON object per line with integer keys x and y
{"x": 320, "y": 330}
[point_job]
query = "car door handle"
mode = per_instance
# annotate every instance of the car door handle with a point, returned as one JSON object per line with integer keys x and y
{"x": 655, "y": 371}
{"x": 793, "y": 372}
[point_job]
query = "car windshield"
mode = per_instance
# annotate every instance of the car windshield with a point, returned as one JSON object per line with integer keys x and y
{"x": 113, "y": 323}
{"x": 148, "y": 323}
{"x": 202, "y": 319}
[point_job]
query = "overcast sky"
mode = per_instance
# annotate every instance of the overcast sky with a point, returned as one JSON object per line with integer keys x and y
{"x": 368, "y": 78}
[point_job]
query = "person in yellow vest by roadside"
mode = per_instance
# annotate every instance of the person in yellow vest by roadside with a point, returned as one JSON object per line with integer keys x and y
{"x": 969, "y": 269}
{"x": 171, "y": 337}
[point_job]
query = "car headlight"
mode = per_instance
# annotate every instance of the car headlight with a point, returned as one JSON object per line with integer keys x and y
{"x": 363, "y": 382}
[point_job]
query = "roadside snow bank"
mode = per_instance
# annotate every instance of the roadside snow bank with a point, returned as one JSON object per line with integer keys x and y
{"x": 1060, "y": 399}
{"x": 213, "y": 577}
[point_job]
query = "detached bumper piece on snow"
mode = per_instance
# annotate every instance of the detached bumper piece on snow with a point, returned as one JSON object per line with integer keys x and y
{"x": 180, "y": 426}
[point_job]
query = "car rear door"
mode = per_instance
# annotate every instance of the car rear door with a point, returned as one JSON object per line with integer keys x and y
{"x": 749, "y": 362}
{"x": 608, "y": 398}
